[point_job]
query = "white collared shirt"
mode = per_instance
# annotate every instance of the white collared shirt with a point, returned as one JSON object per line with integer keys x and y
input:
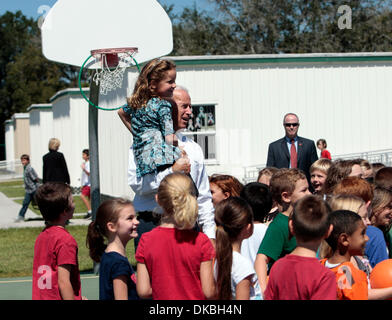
{"x": 146, "y": 187}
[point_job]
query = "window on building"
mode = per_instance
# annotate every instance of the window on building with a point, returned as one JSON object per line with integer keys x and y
{"x": 201, "y": 128}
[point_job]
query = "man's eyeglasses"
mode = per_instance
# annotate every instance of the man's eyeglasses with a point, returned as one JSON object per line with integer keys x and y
{"x": 291, "y": 124}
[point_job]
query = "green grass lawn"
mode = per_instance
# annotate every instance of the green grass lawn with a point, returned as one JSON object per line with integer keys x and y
{"x": 79, "y": 206}
{"x": 17, "y": 244}
{"x": 12, "y": 189}
{"x": 15, "y": 182}
{"x": 17, "y": 250}
{"x": 15, "y": 189}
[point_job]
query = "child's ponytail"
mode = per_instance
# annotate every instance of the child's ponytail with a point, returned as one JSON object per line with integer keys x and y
{"x": 95, "y": 242}
{"x": 185, "y": 210}
{"x": 232, "y": 215}
{"x": 176, "y": 195}
{"x": 224, "y": 260}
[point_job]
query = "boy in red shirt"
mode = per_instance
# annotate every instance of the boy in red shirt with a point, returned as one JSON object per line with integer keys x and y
{"x": 348, "y": 238}
{"x": 299, "y": 275}
{"x": 55, "y": 267}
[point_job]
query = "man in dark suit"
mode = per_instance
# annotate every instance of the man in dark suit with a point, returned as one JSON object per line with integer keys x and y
{"x": 292, "y": 151}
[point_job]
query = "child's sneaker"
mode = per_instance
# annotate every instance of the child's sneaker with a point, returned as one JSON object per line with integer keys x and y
{"x": 88, "y": 215}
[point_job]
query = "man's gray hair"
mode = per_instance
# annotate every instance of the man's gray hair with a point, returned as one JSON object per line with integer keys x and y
{"x": 289, "y": 114}
{"x": 178, "y": 87}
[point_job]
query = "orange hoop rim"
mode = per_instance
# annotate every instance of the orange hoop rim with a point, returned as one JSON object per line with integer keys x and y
{"x": 130, "y": 50}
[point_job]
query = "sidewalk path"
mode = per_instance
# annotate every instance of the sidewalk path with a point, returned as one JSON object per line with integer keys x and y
{"x": 9, "y": 211}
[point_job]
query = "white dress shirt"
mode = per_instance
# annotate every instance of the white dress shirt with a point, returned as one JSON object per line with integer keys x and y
{"x": 146, "y": 187}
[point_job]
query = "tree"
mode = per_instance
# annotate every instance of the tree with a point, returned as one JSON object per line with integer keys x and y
{"x": 282, "y": 26}
{"x": 26, "y": 76}
{"x": 195, "y": 32}
{"x": 31, "y": 78}
{"x": 199, "y": 34}
{"x": 371, "y": 28}
{"x": 15, "y": 33}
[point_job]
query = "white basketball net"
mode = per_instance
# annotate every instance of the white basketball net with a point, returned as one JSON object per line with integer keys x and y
{"x": 108, "y": 79}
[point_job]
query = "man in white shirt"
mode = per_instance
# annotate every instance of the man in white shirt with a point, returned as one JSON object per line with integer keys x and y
{"x": 146, "y": 187}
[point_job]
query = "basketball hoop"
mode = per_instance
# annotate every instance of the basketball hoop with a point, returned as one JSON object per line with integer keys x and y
{"x": 112, "y": 62}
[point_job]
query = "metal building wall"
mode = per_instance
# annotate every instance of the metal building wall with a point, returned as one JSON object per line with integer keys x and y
{"x": 41, "y": 130}
{"x": 348, "y": 104}
{"x": 70, "y": 126}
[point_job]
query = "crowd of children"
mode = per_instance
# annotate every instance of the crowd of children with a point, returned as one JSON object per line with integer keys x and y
{"x": 320, "y": 246}
{"x": 277, "y": 238}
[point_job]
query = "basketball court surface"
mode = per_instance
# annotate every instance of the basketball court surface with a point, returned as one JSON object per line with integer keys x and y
{"x": 20, "y": 288}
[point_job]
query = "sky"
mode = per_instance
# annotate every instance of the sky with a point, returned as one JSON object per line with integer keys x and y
{"x": 35, "y": 8}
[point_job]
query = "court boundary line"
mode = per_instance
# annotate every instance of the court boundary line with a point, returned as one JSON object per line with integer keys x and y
{"x": 31, "y": 280}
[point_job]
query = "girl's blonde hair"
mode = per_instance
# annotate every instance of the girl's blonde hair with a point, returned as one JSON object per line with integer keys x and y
{"x": 346, "y": 202}
{"x": 155, "y": 70}
{"x": 177, "y": 197}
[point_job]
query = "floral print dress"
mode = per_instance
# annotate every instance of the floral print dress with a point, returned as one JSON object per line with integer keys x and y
{"x": 150, "y": 125}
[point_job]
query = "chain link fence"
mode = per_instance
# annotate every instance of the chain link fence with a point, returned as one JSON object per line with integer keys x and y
{"x": 10, "y": 170}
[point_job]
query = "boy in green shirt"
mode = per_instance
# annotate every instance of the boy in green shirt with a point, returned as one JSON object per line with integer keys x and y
{"x": 287, "y": 186}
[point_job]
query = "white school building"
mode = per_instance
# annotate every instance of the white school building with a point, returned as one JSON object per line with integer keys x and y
{"x": 238, "y": 106}
{"x": 343, "y": 98}
{"x": 41, "y": 130}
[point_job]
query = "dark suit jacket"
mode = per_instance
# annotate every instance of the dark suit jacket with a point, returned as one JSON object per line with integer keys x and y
{"x": 279, "y": 156}
{"x": 55, "y": 168}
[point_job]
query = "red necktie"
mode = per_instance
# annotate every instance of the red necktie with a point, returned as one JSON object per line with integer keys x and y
{"x": 293, "y": 155}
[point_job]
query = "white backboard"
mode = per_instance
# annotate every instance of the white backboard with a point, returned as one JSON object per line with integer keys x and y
{"x": 72, "y": 28}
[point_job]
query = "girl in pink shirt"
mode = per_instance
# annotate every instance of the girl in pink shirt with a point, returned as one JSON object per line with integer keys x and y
{"x": 174, "y": 260}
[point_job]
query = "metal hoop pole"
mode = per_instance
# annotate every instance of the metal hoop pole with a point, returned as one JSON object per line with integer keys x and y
{"x": 84, "y": 95}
